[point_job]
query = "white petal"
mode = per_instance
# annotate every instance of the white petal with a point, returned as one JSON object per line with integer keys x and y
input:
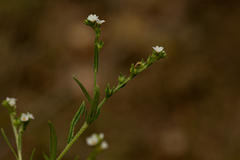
{"x": 92, "y": 140}
{"x": 92, "y": 17}
{"x": 24, "y": 117}
{"x": 104, "y": 145}
{"x": 100, "y": 21}
{"x": 101, "y": 135}
{"x": 11, "y": 101}
{"x": 30, "y": 115}
{"x": 158, "y": 49}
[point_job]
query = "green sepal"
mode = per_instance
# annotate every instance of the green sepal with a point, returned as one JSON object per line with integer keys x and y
{"x": 6, "y": 139}
{"x": 133, "y": 71}
{"x": 150, "y": 59}
{"x": 100, "y": 45}
{"x": 75, "y": 121}
{"x": 108, "y": 91}
{"x": 23, "y": 125}
{"x": 97, "y": 32}
{"x": 94, "y": 105}
{"x": 53, "y": 142}
{"x": 32, "y": 154}
{"x": 10, "y": 109}
{"x": 155, "y": 56}
{"x": 83, "y": 89}
{"x": 121, "y": 78}
{"x": 164, "y": 54}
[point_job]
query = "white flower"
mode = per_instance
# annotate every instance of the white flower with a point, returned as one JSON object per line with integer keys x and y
{"x": 100, "y": 21}
{"x": 104, "y": 145}
{"x": 11, "y": 101}
{"x": 101, "y": 135}
{"x": 92, "y": 140}
{"x": 26, "y": 117}
{"x": 30, "y": 115}
{"x": 93, "y": 17}
{"x": 158, "y": 49}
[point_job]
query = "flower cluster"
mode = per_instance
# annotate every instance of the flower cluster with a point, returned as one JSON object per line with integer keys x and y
{"x": 94, "y": 17}
{"x": 11, "y": 101}
{"x": 96, "y": 139}
{"x": 10, "y": 104}
{"x": 93, "y": 21}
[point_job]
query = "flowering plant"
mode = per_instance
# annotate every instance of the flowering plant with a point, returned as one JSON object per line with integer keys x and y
{"x": 97, "y": 141}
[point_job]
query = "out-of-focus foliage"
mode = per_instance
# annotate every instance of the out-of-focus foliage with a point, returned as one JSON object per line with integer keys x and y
{"x": 182, "y": 107}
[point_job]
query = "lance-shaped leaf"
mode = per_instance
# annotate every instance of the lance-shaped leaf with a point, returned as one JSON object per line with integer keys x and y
{"x": 97, "y": 114}
{"x": 83, "y": 89}
{"x": 32, "y": 154}
{"x": 75, "y": 121}
{"x": 53, "y": 142}
{"x": 94, "y": 105}
{"x": 6, "y": 139}
{"x": 45, "y": 156}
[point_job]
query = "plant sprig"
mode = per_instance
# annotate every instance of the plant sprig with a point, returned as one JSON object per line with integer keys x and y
{"x": 19, "y": 124}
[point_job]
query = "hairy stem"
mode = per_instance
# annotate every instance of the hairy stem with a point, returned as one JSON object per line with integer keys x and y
{"x": 12, "y": 116}
{"x": 83, "y": 128}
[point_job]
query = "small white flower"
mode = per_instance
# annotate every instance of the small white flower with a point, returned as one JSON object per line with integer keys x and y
{"x": 30, "y": 115}
{"x": 101, "y": 135}
{"x": 100, "y": 21}
{"x": 92, "y": 140}
{"x": 104, "y": 145}
{"x": 26, "y": 117}
{"x": 158, "y": 49}
{"x": 92, "y": 17}
{"x": 11, "y": 101}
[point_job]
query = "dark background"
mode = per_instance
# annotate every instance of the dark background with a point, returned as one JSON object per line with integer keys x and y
{"x": 182, "y": 107}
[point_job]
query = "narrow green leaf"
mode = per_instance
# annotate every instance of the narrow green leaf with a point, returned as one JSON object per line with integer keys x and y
{"x": 86, "y": 116}
{"x": 94, "y": 105}
{"x": 83, "y": 89}
{"x": 76, "y": 158}
{"x": 75, "y": 120}
{"x": 97, "y": 114}
{"x": 53, "y": 142}
{"x": 32, "y": 154}
{"x": 45, "y": 156}
{"x": 5, "y": 137}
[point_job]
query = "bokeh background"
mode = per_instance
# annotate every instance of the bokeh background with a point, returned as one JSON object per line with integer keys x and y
{"x": 182, "y": 107}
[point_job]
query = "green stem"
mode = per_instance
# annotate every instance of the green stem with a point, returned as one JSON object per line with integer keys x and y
{"x": 114, "y": 91}
{"x": 5, "y": 137}
{"x": 83, "y": 128}
{"x": 12, "y": 116}
{"x": 95, "y": 79}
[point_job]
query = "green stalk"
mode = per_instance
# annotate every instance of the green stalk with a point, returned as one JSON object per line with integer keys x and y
{"x": 114, "y": 91}
{"x": 83, "y": 128}
{"x": 12, "y": 116}
{"x": 5, "y": 137}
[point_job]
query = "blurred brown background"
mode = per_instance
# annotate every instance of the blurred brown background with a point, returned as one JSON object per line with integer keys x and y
{"x": 182, "y": 107}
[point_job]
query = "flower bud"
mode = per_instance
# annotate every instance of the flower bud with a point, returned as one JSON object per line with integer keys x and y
{"x": 121, "y": 79}
{"x": 109, "y": 91}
